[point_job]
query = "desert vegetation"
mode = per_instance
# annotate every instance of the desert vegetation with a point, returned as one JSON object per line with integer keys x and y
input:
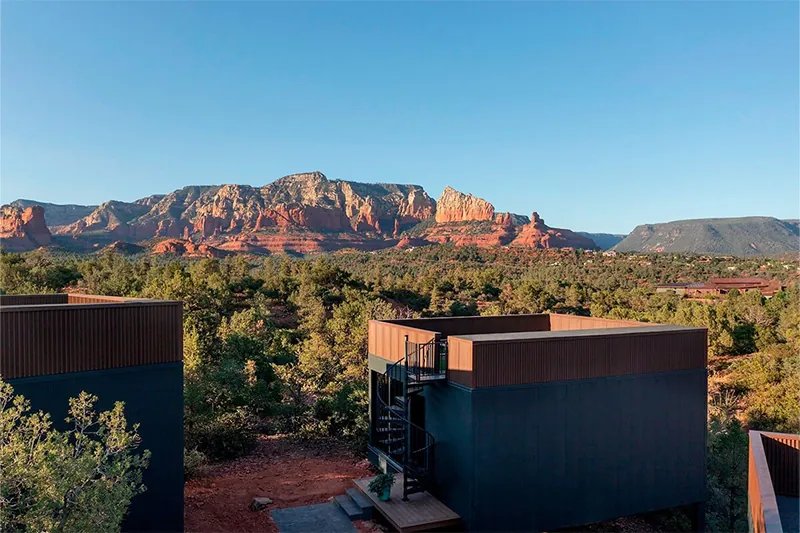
{"x": 277, "y": 345}
{"x": 77, "y": 480}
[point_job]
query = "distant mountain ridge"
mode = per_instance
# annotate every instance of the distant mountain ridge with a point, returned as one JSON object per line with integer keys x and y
{"x": 730, "y": 236}
{"x": 57, "y": 214}
{"x": 298, "y": 213}
{"x": 604, "y": 241}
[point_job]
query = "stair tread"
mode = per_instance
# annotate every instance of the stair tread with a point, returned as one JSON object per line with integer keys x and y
{"x": 351, "y": 509}
{"x": 362, "y": 501}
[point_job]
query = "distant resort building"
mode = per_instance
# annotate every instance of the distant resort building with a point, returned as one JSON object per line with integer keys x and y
{"x": 722, "y": 286}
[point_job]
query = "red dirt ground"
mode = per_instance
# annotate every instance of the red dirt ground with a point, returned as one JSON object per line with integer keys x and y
{"x": 288, "y": 471}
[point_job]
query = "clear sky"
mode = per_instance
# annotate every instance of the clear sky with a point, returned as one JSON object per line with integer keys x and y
{"x": 600, "y": 116}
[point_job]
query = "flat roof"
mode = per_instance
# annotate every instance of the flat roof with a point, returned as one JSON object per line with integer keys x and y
{"x": 571, "y": 333}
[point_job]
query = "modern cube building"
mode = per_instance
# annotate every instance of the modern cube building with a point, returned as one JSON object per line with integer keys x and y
{"x": 54, "y": 346}
{"x": 540, "y": 422}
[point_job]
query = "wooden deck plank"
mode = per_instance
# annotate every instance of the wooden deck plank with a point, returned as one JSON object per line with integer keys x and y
{"x": 422, "y": 511}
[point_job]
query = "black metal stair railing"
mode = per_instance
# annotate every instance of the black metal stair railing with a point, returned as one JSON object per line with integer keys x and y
{"x": 426, "y": 360}
{"x": 407, "y": 443}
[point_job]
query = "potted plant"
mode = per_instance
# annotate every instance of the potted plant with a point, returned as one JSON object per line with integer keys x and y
{"x": 382, "y": 486}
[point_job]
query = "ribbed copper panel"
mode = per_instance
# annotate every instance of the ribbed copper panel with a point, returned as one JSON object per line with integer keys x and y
{"x": 763, "y": 476}
{"x": 32, "y": 299}
{"x": 572, "y": 322}
{"x": 459, "y": 362}
{"x": 57, "y": 339}
{"x": 473, "y": 325}
{"x": 387, "y": 340}
{"x": 783, "y": 457}
{"x": 558, "y": 359}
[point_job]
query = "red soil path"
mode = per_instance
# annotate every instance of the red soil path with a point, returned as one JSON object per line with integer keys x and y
{"x": 290, "y": 472}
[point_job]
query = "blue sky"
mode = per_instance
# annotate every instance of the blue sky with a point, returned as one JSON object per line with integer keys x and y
{"x": 600, "y": 116}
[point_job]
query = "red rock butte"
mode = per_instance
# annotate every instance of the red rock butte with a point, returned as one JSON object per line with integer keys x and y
{"x": 297, "y": 213}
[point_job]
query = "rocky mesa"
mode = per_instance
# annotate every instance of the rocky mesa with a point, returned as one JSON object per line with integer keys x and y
{"x": 23, "y": 229}
{"x": 300, "y": 213}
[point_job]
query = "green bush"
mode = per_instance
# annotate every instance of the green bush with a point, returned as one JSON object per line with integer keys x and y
{"x": 225, "y": 436}
{"x": 194, "y": 461}
{"x": 78, "y": 480}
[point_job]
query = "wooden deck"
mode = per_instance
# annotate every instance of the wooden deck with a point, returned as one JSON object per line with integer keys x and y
{"x": 422, "y": 512}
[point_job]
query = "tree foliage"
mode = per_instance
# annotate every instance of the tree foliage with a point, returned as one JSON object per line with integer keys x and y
{"x": 278, "y": 344}
{"x": 78, "y": 480}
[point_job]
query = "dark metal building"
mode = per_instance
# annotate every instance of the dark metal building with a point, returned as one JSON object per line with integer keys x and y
{"x": 540, "y": 422}
{"x": 54, "y": 346}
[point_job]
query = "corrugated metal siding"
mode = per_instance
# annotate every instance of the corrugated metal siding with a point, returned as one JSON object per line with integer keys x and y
{"x": 473, "y": 325}
{"x": 459, "y": 361}
{"x": 58, "y": 339}
{"x": 764, "y": 513}
{"x": 783, "y": 457}
{"x": 542, "y": 360}
{"x": 565, "y": 454}
{"x": 32, "y": 299}
{"x": 570, "y": 322}
{"x": 387, "y": 340}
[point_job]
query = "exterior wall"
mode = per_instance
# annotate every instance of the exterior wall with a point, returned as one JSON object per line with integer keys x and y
{"x": 773, "y": 473}
{"x": 153, "y": 397}
{"x": 608, "y": 353}
{"x": 32, "y": 299}
{"x": 563, "y": 454}
{"x": 460, "y": 362}
{"x": 449, "y": 418}
{"x": 763, "y": 513}
{"x": 387, "y": 340}
{"x": 472, "y": 325}
{"x": 40, "y": 340}
{"x": 572, "y": 322}
{"x": 783, "y": 457}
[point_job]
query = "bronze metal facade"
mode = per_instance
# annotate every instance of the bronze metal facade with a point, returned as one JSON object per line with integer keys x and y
{"x": 88, "y": 333}
{"x": 522, "y": 349}
{"x": 773, "y": 472}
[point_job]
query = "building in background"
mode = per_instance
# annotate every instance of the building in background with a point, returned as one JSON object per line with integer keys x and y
{"x": 540, "y": 422}
{"x": 722, "y": 286}
{"x": 54, "y": 346}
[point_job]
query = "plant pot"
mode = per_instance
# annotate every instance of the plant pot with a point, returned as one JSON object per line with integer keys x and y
{"x": 384, "y": 495}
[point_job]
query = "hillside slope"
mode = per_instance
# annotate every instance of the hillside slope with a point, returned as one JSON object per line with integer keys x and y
{"x": 733, "y": 236}
{"x": 604, "y": 241}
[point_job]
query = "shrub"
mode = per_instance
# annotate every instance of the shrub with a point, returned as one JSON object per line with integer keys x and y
{"x": 80, "y": 480}
{"x": 194, "y": 461}
{"x": 224, "y": 436}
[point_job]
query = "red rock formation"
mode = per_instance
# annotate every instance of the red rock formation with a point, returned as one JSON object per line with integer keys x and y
{"x": 538, "y": 235}
{"x": 504, "y": 219}
{"x": 124, "y": 248}
{"x": 454, "y": 206}
{"x": 186, "y": 249}
{"x": 307, "y": 213}
{"x": 23, "y": 230}
{"x": 412, "y": 242}
{"x": 483, "y": 234}
{"x": 208, "y": 226}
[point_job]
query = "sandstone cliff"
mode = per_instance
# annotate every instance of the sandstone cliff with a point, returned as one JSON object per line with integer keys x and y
{"x": 186, "y": 249}
{"x": 299, "y": 213}
{"x": 454, "y": 206}
{"x": 23, "y": 229}
{"x": 538, "y": 235}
